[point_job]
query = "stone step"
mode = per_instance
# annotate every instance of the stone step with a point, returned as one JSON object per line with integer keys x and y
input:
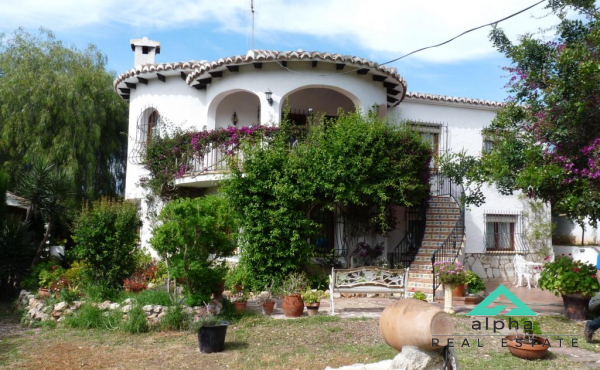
{"x": 442, "y": 229}
{"x": 441, "y": 217}
{"x": 443, "y": 205}
{"x": 455, "y": 211}
{"x": 437, "y": 222}
{"x": 443, "y": 198}
{"x": 435, "y": 237}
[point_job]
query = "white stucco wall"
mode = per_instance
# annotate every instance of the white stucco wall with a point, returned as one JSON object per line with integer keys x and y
{"x": 568, "y": 232}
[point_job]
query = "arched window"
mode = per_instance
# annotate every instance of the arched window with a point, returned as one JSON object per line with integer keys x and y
{"x": 148, "y": 127}
{"x": 152, "y": 126}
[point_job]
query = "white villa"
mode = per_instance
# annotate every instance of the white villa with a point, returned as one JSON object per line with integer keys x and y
{"x": 251, "y": 89}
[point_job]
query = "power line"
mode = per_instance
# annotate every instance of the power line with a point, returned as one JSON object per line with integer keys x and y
{"x": 427, "y": 47}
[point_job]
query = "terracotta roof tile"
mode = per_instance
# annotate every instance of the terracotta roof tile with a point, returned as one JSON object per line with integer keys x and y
{"x": 454, "y": 99}
{"x": 199, "y": 67}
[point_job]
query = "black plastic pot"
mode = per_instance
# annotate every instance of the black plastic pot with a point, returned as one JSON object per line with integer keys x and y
{"x": 212, "y": 338}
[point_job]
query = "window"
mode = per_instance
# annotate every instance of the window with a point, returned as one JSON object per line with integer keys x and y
{"x": 503, "y": 232}
{"x": 145, "y": 49}
{"x": 430, "y": 133}
{"x": 488, "y": 143}
{"x": 323, "y": 239}
{"x": 152, "y": 125}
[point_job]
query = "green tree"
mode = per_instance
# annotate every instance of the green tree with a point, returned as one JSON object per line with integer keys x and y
{"x": 106, "y": 239}
{"x": 193, "y": 236}
{"x": 547, "y": 137}
{"x": 49, "y": 191}
{"x": 57, "y": 103}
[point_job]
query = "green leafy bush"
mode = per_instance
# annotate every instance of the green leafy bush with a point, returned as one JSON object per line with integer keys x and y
{"x": 474, "y": 282}
{"x": 106, "y": 239}
{"x": 565, "y": 275}
{"x": 237, "y": 276}
{"x": 194, "y": 235}
{"x": 17, "y": 250}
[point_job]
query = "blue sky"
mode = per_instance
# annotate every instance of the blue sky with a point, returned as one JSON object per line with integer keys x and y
{"x": 379, "y": 30}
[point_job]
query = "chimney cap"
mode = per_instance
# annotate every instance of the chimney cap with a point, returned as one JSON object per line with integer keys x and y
{"x": 145, "y": 42}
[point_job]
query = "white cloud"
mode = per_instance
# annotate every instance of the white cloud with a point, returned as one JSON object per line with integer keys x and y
{"x": 385, "y": 27}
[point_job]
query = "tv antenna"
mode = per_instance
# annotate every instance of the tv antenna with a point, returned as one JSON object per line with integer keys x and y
{"x": 252, "y": 11}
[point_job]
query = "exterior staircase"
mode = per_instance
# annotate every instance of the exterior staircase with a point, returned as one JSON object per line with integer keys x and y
{"x": 442, "y": 215}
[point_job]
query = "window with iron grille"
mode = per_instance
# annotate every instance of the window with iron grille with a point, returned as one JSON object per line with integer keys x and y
{"x": 430, "y": 133}
{"x": 504, "y": 232}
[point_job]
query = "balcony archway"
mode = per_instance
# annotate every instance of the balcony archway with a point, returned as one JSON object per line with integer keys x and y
{"x": 318, "y": 101}
{"x": 234, "y": 108}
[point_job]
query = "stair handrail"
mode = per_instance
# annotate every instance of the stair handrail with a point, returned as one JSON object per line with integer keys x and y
{"x": 406, "y": 250}
{"x": 448, "y": 251}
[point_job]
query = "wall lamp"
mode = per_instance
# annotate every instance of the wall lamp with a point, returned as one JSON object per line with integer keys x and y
{"x": 269, "y": 97}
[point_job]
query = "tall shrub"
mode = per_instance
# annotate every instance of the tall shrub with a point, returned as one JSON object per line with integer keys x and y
{"x": 356, "y": 162}
{"x": 194, "y": 234}
{"x": 106, "y": 238}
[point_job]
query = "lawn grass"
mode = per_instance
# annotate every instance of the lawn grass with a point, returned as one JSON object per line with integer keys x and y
{"x": 254, "y": 342}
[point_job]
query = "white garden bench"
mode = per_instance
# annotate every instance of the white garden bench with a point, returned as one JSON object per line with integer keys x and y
{"x": 368, "y": 280}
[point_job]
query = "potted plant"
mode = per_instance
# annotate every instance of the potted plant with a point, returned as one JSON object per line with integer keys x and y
{"x": 211, "y": 334}
{"x": 48, "y": 277}
{"x": 528, "y": 345}
{"x": 236, "y": 278}
{"x": 292, "y": 287}
{"x": 240, "y": 301}
{"x": 266, "y": 299}
{"x": 312, "y": 300}
{"x": 574, "y": 280}
{"x": 475, "y": 285}
{"x": 450, "y": 274}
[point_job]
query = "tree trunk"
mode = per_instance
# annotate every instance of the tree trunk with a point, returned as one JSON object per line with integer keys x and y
{"x": 38, "y": 253}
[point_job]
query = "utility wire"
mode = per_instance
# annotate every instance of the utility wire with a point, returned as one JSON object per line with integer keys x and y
{"x": 427, "y": 47}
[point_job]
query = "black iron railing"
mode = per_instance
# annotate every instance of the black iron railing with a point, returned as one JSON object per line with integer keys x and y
{"x": 449, "y": 250}
{"x": 406, "y": 250}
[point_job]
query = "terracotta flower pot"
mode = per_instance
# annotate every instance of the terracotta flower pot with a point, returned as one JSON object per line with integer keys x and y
{"x": 527, "y": 351}
{"x": 293, "y": 305}
{"x": 313, "y": 308}
{"x": 268, "y": 307}
{"x": 43, "y": 293}
{"x": 240, "y": 306}
{"x": 576, "y": 306}
{"x": 459, "y": 291}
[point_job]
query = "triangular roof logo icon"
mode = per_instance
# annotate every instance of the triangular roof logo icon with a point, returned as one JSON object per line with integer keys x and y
{"x": 483, "y": 310}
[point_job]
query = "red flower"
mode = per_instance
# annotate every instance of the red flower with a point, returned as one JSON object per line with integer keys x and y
{"x": 412, "y": 289}
{"x": 576, "y": 269}
{"x": 53, "y": 267}
{"x": 547, "y": 258}
{"x": 593, "y": 276}
{"x": 569, "y": 254}
{"x": 563, "y": 254}
{"x": 51, "y": 272}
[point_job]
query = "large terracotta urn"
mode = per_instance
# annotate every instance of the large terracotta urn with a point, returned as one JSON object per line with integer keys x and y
{"x": 293, "y": 305}
{"x": 412, "y": 322}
